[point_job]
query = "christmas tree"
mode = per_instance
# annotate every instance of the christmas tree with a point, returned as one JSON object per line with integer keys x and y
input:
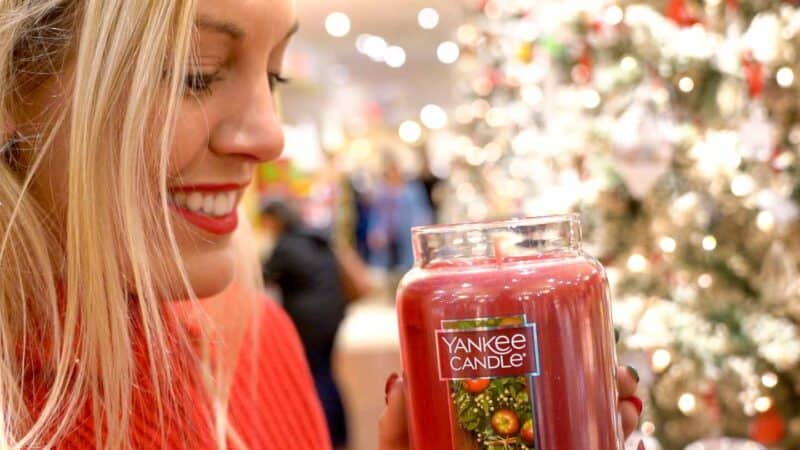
{"x": 672, "y": 127}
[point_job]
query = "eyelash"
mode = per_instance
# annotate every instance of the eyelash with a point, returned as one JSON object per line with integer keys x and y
{"x": 200, "y": 83}
{"x": 275, "y": 79}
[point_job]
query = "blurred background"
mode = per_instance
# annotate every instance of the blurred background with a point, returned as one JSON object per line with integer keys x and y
{"x": 670, "y": 125}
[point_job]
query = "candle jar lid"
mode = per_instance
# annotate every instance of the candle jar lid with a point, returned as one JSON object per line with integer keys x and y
{"x": 498, "y": 242}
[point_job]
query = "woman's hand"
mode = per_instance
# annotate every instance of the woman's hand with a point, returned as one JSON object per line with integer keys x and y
{"x": 393, "y": 427}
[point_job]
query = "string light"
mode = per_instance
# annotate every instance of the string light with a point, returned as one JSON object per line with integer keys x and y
{"x": 743, "y": 185}
{"x": 614, "y": 15}
{"x": 337, "y": 24}
{"x": 709, "y": 243}
{"x": 433, "y": 117}
{"x": 765, "y": 221}
{"x": 705, "y": 281}
{"x": 637, "y": 263}
{"x": 686, "y": 84}
{"x": 785, "y": 77}
{"x": 410, "y": 131}
{"x": 591, "y": 99}
{"x": 762, "y": 404}
{"x": 467, "y": 34}
{"x": 769, "y": 380}
{"x": 687, "y": 403}
{"x": 660, "y": 360}
{"x": 668, "y": 244}
{"x": 628, "y": 63}
{"x": 372, "y": 46}
{"x": 448, "y": 52}
{"x": 428, "y": 18}
{"x": 395, "y": 56}
{"x": 648, "y": 428}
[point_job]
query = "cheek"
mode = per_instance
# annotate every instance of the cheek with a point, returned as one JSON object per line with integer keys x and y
{"x": 190, "y": 141}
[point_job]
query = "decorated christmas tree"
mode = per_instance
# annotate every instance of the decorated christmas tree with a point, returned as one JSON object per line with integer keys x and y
{"x": 672, "y": 127}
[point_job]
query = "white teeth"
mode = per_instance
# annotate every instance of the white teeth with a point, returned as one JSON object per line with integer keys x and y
{"x": 221, "y": 205}
{"x": 231, "y": 205}
{"x": 195, "y": 201}
{"x": 214, "y": 205}
{"x": 180, "y": 199}
{"x": 208, "y": 204}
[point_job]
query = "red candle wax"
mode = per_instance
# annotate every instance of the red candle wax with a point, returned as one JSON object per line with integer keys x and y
{"x": 508, "y": 352}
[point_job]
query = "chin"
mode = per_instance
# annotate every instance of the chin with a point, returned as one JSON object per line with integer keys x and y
{"x": 210, "y": 272}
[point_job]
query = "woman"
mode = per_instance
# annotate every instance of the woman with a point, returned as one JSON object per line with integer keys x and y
{"x": 130, "y": 130}
{"x": 306, "y": 270}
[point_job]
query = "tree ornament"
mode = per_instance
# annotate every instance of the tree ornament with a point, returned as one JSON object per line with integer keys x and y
{"x": 524, "y": 52}
{"x": 757, "y": 134}
{"x": 678, "y": 12}
{"x": 768, "y": 428}
{"x": 778, "y": 278}
{"x": 642, "y": 151}
{"x": 753, "y": 74}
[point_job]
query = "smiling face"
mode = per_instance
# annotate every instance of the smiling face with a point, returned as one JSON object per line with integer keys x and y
{"x": 225, "y": 126}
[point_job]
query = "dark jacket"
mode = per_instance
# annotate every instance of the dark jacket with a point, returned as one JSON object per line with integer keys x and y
{"x": 307, "y": 272}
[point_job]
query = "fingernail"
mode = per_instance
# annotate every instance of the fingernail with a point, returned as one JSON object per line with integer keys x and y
{"x": 389, "y": 385}
{"x": 635, "y": 401}
{"x": 641, "y": 446}
{"x": 633, "y": 373}
{"x": 616, "y": 335}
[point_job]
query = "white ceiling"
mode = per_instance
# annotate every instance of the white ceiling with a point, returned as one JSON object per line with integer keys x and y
{"x": 401, "y": 92}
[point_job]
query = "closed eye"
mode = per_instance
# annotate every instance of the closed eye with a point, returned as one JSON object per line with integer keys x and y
{"x": 276, "y": 79}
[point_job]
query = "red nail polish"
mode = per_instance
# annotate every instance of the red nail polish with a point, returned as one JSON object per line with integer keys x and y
{"x": 636, "y": 401}
{"x": 389, "y": 385}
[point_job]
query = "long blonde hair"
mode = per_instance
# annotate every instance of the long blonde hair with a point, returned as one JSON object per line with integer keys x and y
{"x": 66, "y": 285}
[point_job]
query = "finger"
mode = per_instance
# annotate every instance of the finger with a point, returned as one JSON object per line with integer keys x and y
{"x": 627, "y": 380}
{"x": 393, "y": 424}
{"x": 630, "y": 418}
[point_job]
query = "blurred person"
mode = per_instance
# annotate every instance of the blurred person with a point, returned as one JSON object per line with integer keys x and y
{"x": 129, "y": 131}
{"x": 399, "y": 204}
{"x": 305, "y": 268}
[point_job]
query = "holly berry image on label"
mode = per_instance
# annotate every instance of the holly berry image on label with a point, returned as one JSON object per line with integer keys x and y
{"x": 488, "y": 364}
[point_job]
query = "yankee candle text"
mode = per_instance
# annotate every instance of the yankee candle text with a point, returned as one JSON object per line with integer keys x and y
{"x": 487, "y": 352}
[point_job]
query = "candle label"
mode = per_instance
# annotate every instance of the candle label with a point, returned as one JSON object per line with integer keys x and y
{"x": 487, "y": 348}
{"x": 489, "y": 365}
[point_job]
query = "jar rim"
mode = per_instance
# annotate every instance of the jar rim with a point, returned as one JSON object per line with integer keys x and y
{"x": 497, "y": 224}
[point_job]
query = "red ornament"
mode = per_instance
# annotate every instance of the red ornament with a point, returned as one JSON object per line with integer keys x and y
{"x": 768, "y": 428}
{"x": 754, "y": 74}
{"x": 678, "y": 12}
{"x": 495, "y": 77}
{"x": 582, "y": 72}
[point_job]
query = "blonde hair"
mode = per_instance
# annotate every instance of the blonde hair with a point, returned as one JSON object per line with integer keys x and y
{"x": 66, "y": 285}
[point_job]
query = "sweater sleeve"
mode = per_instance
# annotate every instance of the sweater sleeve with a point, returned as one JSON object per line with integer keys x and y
{"x": 273, "y": 399}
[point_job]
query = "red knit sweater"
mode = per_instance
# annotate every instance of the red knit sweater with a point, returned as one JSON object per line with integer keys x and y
{"x": 273, "y": 404}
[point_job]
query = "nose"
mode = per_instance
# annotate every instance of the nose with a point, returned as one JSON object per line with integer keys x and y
{"x": 252, "y": 128}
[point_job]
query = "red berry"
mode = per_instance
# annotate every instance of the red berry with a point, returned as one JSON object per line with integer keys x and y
{"x": 527, "y": 434}
{"x": 476, "y": 386}
{"x": 505, "y": 422}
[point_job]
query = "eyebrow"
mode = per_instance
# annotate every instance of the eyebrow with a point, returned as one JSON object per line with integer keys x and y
{"x": 231, "y": 29}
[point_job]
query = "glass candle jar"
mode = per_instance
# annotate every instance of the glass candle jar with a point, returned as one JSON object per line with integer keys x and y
{"x": 507, "y": 339}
